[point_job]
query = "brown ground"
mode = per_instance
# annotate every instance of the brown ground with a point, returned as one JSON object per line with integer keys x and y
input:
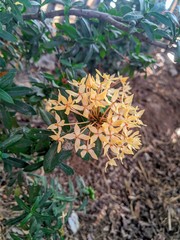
{"x": 140, "y": 200}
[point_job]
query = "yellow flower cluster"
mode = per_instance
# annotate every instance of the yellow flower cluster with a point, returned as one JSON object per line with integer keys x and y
{"x": 108, "y": 114}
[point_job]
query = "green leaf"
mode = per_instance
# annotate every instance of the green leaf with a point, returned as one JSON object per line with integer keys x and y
{"x": 11, "y": 141}
{"x": 19, "y": 91}
{"x": 22, "y": 107}
{"x": 135, "y": 15}
{"x": 26, "y": 3}
{"x": 38, "y": 134}
{"x": 173, "y": 18}
{"x": 5, "y": 96}
{"x": 158, "y": 7}
{"x": 16, "y": 162}
{"x": 7, "y": 36}
{"x": 15, "y": 220}
{"x": 65, "y": 63}
{"x": 5, "y": 17}
{"x": 63, "y": 116}
{"x": 85, "y": 27}
{"x": 7, "y": 80}
{"x": 2, "y": 63}
{"x": 22, "y": 204}
{"x": 98, "y": 147}
{"x": 44, "y": 198}
{"x": 161, "y": 33}
{"x": 15, "y": 237}
{"x": 49, "y": 163}
{"x": 68, "y": 170}
{"x": 64, "y": 198}
{"x": 33, "y": 167}
{"x": 46, "y": 116}
{"x": 53, "y": 159}
{"x": 148, "y": 29}
{"x": 6, "y": 117}
{"x": 34, "y": 3}
{"x": 164, "y": 20}
{"x": 69, "y": 30}
{"x": 15, "y": 11}
{"x": 124, "y": 10}
{"x": 26, "y": 219}
{"x": 89, "y": 54}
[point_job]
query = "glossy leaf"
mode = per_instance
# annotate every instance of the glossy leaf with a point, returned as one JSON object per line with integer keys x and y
{"x": 6, "y": 80}
{"x": 19, "y": 91}
{"x": 16, "y": 162}
{"x": 68, "y": 170}
{"x": 5, "y": 96}
{"x": 22, "y": 107}
{"x": 11, "y": 141}
{"x": 135, "y": 15}
{"x": 33, "y": 167}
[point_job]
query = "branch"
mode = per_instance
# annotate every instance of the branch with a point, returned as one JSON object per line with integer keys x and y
{"x": 99, "y": 15}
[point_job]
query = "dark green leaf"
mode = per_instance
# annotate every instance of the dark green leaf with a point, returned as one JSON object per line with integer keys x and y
{"x": 15, "y": 11}
{"x": 164, "y": 20}
{"x": 22, "y": 107}
{"x": 46, "y": 117}
{"x": 158, "y": 7}
{"x": 64, "y": 198}
{"x": 98, "y": 147}
{"x": 173, "y": 18}
{"x": 11, "y": 141}
{"x": 15, "y": 220}
{"x": 5, "y": 96}
{"x": 135, "y": 15}
{"x": 26, "y": 219}
{"x": 16, "y": 162}
{"x": 7, "y": 36}
{"x": 49, "y": 163}
{"x": 124, "y": 10}
{"x": 33, "y": 167}
{"x": 26, "y": 3}
{"x": 69, "y": 30}
{"x": 52, "y": 159}
{"x": 65, "y": 63}
{"x": 161, "y": 33}
{"x": 19, "y": 91}
{"x": 85, "y": 27}
{"x": 7, "y": 80}
{"x": 6, "y": 117}
{"x": 68, "y": 170}
{"x": 2, "y": 63}
{"x": 5, "y": 17}
{"x": 149, "y": 30}
{"x": 22, "y": 204}
{"x": 15, "y": 237}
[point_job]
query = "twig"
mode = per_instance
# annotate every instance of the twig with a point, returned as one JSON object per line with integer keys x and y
{"x": 101, "y": 16}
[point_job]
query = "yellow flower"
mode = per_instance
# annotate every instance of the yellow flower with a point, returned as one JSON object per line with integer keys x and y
{"x": 88, "y": 148}
{"x": 58, "y": 138}
{"x": 58, "y": 124}
{"x": 78, "y": 136}
{"x": 105, "y": 102}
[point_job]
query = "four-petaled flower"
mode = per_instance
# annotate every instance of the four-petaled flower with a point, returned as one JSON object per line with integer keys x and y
{"x": 78, "y": 136}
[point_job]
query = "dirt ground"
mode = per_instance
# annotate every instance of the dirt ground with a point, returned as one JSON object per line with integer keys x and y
{"x": 140, "y": 200}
